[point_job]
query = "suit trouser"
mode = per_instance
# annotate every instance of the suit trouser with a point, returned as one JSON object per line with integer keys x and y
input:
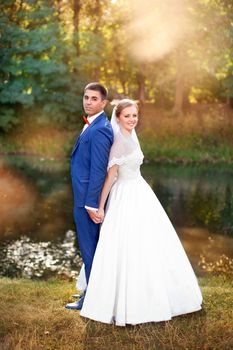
{"x": 88, "y": 236}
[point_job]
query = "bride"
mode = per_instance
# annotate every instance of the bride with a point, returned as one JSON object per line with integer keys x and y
{"x": 140, "y": 271}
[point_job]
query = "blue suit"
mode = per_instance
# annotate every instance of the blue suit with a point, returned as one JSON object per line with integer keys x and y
{"x": 89, "y": 162}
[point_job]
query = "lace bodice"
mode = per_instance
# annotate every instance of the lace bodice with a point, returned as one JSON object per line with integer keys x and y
{"x": 129, "y": 166}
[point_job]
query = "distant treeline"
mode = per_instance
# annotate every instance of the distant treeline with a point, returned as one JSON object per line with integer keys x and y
{"x": 164, "y": 52}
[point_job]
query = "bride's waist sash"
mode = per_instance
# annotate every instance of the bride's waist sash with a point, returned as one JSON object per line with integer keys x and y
{"x": 128, "y": 176}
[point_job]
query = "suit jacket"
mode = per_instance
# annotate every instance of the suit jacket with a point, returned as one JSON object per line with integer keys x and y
{"x": 89, "y": 162}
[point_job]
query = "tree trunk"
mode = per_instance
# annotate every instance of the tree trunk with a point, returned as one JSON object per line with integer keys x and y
{"x": 141, "y": 86}
{"x": 120, "y": 70}
{"x": 96, "y": 31}
{"x": 76, "y": 9}
{"x": 181, "y": 90}
{"x": 230, "y": 101}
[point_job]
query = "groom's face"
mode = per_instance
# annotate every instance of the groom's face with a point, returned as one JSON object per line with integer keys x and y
{"x": 93, "y": 102}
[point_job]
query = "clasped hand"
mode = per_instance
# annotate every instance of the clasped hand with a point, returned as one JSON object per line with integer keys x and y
{"x": 97, "y": 216}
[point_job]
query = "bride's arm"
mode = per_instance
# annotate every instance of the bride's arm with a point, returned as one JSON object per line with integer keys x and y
{"x": 111, "y": 175}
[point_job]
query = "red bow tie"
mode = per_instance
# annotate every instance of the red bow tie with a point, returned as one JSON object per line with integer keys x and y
{"x": 86, "y": 120}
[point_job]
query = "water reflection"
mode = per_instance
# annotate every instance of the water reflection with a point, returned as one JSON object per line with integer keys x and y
{"x": 18, "y": 199}
{"x": 196, "y": 196}
{"x": 36, "y": 201}
{"x": 36, "y": 198}
{"x": 205, "y": 249}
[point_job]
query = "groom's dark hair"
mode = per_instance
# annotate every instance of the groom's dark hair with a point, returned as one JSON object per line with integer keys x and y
{"x": 98, "y": 87}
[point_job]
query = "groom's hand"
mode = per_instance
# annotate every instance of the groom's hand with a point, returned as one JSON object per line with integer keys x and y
{"x": 94, "y": 216}
{"x": 101, "y": 214}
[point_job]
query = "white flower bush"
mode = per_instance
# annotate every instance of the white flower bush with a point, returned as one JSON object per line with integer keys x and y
{"x": 24, "y": 258}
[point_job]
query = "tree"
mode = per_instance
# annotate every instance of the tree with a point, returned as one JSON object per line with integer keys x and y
{"x": 33, "y": 69}
{"x": 51, "y": 49}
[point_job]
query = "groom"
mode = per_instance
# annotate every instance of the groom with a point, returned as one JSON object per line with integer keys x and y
{"x": 89, "y": 162}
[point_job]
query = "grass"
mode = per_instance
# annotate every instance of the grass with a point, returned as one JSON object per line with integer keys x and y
{"x": 204, "y": 134}
{"x": 33, "y": 317}
{"x": 45, "y": 141}
{"x": 187, "y": 149}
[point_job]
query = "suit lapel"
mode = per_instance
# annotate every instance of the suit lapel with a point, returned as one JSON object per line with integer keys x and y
{"x": 97, "y": 120}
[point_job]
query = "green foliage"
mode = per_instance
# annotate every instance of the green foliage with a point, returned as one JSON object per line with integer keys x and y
{"x": 51, "y": 49}
{"x": 33, "y": 69}
{"x": 8, "y": 119}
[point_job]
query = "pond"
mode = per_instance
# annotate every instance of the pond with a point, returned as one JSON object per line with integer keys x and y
{"x": 36, "y": 223}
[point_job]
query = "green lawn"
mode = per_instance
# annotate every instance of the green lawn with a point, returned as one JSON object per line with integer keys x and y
{"x": 33, "y": 317}
{"x": 195, "y": 137}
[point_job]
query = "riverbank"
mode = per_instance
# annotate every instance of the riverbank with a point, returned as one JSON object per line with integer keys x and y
{"x": 202, "y": 135}
{"x": 33, "y": 317}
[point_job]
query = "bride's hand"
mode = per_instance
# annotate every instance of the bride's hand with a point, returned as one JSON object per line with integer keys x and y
{"x": 101, "y": 214}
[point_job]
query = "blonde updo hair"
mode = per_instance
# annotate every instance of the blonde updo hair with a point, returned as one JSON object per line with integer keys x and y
{"x": 124, "y": 104}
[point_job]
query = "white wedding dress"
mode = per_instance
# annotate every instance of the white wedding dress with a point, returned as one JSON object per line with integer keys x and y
{"x": 140, "y": 271}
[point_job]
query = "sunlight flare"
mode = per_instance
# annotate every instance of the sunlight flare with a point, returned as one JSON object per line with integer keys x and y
{"x": 157, "y": 27}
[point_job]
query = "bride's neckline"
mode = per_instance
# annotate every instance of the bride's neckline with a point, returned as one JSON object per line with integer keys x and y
{"x": 126, "y": 133}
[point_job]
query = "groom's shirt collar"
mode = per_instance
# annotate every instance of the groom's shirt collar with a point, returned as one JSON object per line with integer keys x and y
{"x": 93, "y": 117}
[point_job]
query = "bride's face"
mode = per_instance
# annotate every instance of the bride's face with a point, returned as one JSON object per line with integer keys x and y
{"x": 128, "y": 118}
